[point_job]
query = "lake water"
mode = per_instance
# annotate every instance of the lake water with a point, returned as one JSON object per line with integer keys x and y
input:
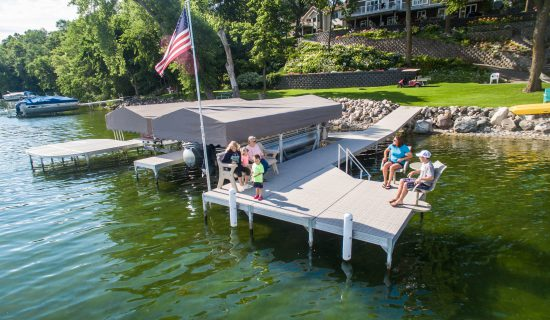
{"x": 97, "y": 244}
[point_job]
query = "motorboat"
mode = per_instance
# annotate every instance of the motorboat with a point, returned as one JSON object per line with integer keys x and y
{"x": 17, "y": 96}
{"x": 44, "y": 105}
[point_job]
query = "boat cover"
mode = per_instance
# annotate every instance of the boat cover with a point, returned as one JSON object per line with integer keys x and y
{"x": 48, "y": 100}
{"x": 224, "y": 120}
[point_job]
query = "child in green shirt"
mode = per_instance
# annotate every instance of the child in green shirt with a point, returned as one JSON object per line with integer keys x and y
{"x": 258, "y": 177}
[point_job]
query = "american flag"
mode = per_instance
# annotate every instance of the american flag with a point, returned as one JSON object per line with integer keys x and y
{"x": 179, "y": 43}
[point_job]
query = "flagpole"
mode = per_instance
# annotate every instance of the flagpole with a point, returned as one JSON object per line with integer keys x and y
{"x": 199, "y": 97}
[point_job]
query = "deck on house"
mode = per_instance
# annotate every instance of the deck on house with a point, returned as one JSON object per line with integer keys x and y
{"x": 312, "y": 192}
{"x": 85, "y": 148}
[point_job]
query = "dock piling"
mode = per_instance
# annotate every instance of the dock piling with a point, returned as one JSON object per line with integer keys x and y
{"x": 250, "y": 220}
{"x": 347, "y": 237}
{"x": 32, "y": 165}
{"x": 310, "y": 232}
{"x": 204, "y": 209}
{"x": 233, "y": 207}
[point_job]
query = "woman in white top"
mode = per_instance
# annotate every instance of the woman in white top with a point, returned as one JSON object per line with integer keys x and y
{"x": 255, "y": 149}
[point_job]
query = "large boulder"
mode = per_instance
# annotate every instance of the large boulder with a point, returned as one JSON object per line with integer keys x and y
{"x": 508, "y": 124}
{"x": 465, "y": 125}
{"x": 483, "y": 122}
{"x": 445, "y": 120}
{"x": 499, "y": 115}
{"x": 543, "y": 127}
{"x": 527, "y": 125}
{"x": 423, "y": 126}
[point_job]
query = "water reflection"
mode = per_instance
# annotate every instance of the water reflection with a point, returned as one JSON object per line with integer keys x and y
{"x": 98, "y": 243}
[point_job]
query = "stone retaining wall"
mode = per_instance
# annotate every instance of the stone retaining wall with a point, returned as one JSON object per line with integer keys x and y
{"x": 440, "y": 49}
{"x": 343, "y": 79}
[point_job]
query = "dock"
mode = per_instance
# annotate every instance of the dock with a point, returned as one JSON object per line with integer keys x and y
{"x": 74, "y": 149}
{"x": 156, "y": 163}
{"x": 313, "y": 192}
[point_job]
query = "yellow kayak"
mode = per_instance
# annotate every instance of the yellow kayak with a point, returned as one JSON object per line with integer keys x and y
{"x": 537, "y": 108}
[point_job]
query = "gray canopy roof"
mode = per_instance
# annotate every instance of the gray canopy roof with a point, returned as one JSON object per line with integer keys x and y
{"x": 224, "y": 120}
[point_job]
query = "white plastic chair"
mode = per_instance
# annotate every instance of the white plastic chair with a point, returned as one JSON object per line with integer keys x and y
{"x": 226, "y": 172}
{"x": 439, "y": 168}
{"x": 494, "y": 77}
{"x": 402, "y": 170}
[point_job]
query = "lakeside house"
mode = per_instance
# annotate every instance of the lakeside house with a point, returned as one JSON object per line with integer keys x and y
{"x": 382, "y": 13}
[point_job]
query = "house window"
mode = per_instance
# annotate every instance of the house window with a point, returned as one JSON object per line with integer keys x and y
{"x": 392, "y": 21}
{"x": 421, "y": 14}
{"x": 441, "y": 13}
{"x": 465, "y": 11}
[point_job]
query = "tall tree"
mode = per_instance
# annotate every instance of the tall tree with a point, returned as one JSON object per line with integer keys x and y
{"x": 408, "y": 32}
{"x": 298, "y": 8}
{"x": 451, "y": 8}
{"x": 538, "y": 55}
{"x": 223, "y": 13}
{"x": 267, "y": 34}
{"x": 329, "y": 7}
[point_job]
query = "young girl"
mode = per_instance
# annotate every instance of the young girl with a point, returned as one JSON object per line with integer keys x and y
{"x": 258, "y": 177}
{"x": 245, "y": 160}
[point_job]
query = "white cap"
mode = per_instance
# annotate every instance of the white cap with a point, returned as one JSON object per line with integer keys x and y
{"x": 424, "y": 153}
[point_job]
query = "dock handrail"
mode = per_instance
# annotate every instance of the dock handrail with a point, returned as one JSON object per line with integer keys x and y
{"x": 350, "y": 160}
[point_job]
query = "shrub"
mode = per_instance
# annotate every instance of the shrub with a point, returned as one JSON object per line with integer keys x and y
{"x": 450, "y": 70}
{"x": 314, "y": 57}
{"x": 375, "y": 34}
{"x": 272, "y": 79}
{"x": 249, "y": 80}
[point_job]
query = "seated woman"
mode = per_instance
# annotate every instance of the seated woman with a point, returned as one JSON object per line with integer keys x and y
{"x": 424, "y": 180}
{"x": 255, "y": 149}
{"x": 399, "y": 154}
{"x": 233, "y": 155}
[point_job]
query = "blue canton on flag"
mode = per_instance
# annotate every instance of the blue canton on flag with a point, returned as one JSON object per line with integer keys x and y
{"x": 179, "y": 43}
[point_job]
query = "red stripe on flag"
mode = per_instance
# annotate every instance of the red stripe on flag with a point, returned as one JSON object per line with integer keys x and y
{"x": 178, "y": 45}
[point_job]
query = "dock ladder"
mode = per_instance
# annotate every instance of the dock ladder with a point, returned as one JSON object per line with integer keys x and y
{"x": 350, "y": 160}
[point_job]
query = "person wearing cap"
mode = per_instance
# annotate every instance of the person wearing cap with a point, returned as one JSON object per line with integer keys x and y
{"x": 423, "y": 182}
{"x": 398, "y": 153}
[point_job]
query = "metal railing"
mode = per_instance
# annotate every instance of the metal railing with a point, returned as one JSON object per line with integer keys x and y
{"x": 350, "y": 160}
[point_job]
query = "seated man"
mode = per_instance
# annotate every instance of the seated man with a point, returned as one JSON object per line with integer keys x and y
{"x": 424, "y": 180}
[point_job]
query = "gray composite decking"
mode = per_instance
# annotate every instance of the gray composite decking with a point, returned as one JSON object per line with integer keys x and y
{"x": 311, "y": 191}
{"x": 85, "y": 148}
{"x": 156, "y": 163}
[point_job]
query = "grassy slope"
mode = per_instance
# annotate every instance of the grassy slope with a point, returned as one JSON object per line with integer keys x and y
{"x": 440, "y": 94}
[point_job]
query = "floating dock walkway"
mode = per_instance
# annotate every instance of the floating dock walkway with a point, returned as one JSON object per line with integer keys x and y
{"x": 74, "y": 149}
{"x": 313, "y": 192}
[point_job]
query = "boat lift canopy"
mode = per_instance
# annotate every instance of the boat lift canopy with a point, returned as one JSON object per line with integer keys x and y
{"x": 224, "y": 120}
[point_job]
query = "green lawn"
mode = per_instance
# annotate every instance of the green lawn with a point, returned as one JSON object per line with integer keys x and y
{"x": 440, "y": 94}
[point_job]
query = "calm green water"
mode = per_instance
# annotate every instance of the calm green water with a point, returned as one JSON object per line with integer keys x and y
{"x": 97, "y": 244}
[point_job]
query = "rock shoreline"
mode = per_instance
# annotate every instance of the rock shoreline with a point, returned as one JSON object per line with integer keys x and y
{"x": 359, "y": 114}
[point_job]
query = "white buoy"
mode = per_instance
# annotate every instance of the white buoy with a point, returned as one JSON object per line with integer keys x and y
{"x": 347, "y": 237}
{"x": 232, "y": 207}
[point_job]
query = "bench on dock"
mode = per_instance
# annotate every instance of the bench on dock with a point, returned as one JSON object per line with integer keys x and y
{"x": 226, "y": 171}
{"x": 270, "y": 155}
